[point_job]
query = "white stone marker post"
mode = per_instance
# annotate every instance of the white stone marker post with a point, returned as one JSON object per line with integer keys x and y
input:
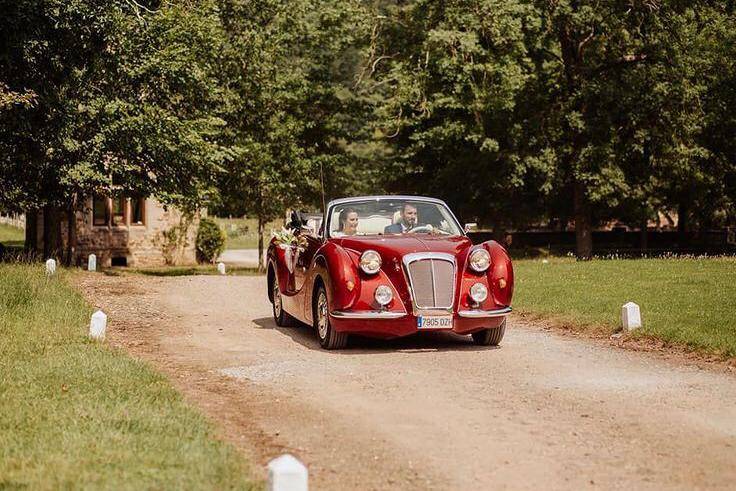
{"x": 92, "y": 263}
{"x": 98, "y": 325}
{"x": 50, "y": 267}
{"x": 221, "y": 268}
{"x": 286, "y": 473}
{"x": 630, "y": 316}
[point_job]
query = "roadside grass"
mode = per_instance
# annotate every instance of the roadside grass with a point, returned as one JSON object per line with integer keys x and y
{"x": 690, "y": 302}
{"x": 11, "y": 236}
{"x": 183, "y": 271}
{"x": 75, "y": 414}
{"x": 242, "y": 233}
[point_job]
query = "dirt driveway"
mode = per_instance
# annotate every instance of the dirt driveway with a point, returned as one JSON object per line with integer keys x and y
{"x": 542, "y": 411}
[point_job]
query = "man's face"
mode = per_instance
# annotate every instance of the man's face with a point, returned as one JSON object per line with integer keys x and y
{"x": 410, "y": 215}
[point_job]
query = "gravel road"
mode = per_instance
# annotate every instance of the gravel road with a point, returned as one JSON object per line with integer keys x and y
{"x": 542, "y": 411}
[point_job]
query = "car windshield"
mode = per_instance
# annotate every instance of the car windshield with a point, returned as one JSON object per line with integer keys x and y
{"x": 388, "y": 216}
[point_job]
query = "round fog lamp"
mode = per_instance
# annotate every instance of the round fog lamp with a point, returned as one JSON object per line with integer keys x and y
{"x": 478, "y": 292}
{"x": 383, "y": 295}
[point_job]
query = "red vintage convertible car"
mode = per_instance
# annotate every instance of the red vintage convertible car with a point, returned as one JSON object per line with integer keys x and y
{"x": 389, "y": 266}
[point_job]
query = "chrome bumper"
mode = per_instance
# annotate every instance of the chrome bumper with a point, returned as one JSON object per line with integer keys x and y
{"x": 368, "y": 314}
{"x": 476, "y": 314}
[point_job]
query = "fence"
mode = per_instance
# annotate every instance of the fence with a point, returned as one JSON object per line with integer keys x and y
{"x": 18, "y": 221}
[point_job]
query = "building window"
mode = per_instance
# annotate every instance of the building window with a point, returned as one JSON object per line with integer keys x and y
{"x": 99, "y": 211}
{"x": 137, "y": 210}
{"x": 118, "y": 210}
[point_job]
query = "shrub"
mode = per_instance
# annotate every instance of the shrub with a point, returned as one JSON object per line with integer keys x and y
{"x": 210, "y": 240}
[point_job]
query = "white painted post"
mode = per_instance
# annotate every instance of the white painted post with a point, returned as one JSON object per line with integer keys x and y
{"x": 92, "y": 263}
{"x": 98, "y": 326}
{"x": 286, "y": 473}
{"x": 221, "y": 268}
{"x": 50, "y": 267}
{"x": 630, "y": 316}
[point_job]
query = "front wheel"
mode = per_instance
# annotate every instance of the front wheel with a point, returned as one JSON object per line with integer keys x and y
{"x": 328, "y": 337}
{"x": 491, "y": 336}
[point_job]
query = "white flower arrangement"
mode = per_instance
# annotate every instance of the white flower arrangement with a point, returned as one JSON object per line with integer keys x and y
{"x": 292, "y": 244}
{"x": 286, "y": 238}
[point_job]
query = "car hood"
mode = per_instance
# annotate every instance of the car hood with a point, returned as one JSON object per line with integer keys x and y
{"x": 396, "y": 246}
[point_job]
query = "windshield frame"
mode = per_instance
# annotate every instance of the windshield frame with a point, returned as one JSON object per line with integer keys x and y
{"x": 326, "y": 222}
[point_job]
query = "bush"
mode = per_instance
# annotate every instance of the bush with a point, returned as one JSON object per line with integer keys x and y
{"x": 210, "y": 240}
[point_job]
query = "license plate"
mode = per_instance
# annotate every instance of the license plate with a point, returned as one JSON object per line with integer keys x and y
{"x": 434, "y": 322}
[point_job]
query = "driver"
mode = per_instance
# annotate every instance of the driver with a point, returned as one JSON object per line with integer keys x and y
{"x": 407, "y": 223}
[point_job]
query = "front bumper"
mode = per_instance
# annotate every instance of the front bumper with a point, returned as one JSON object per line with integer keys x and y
{"x": 485, "y": 314}
{"x": 368, "y": 314}
{"x": 396, "y": 324}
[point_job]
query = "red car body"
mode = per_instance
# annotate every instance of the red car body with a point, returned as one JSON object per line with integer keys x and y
{"x": 332, "y": 263}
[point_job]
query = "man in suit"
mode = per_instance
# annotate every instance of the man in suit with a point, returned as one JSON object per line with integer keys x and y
{"x": 407, "y": 223}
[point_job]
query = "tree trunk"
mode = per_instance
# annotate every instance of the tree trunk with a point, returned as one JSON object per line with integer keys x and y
{"x": 261, "y": 227}
{"x": 59, "y": 244}
{"x": 52, "y": 246}
{"x": 31, "y": 231}
{"x": 583, "y": 223}
{"x": 48, "y": 232}
{"x": 682, "y": 223}
{"x": 644, "y": 239}
{"x": 71, "y": 231}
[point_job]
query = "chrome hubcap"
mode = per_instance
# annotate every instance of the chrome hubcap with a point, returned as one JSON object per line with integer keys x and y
{"x": 322, "y": 315}
{"x": 276, "y": 299}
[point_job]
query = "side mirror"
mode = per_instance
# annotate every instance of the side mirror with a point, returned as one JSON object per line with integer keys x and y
{"x": 471, "y": 227}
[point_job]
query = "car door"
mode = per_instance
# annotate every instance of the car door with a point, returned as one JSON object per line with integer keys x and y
{"x": 304, "y": 260}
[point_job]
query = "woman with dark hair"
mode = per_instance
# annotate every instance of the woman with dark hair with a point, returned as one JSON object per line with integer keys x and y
{"x": 348, "y": 222}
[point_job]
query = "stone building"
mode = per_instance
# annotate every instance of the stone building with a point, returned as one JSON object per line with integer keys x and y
{"x": 120, "y": 231}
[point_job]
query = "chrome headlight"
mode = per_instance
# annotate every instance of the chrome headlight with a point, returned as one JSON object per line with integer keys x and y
{"x": 478, "y": 292}
{"x": 383, "y": 295}
{"x": 370, "y": 262}
{"x": 479, "y": 260}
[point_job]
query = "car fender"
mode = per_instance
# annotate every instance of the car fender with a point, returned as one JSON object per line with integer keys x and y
{"x": 276, "y": 260}
{"x": 501, "y": 269}
{"x": 335, "y": 268}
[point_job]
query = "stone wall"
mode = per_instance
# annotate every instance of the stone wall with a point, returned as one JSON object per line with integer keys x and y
{"x": 166, "y": 237}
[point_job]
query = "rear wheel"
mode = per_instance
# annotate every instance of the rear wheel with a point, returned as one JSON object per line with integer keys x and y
{"x": 490, "y": 337}
{"x": 282, "y": 318}
{"x": 328, "y": 337}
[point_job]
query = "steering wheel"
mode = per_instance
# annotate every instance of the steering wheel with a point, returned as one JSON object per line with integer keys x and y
{"x": 428, "y": 229}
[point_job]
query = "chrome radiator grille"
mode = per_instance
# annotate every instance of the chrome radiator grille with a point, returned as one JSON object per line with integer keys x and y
{"x": 431, "y": 279}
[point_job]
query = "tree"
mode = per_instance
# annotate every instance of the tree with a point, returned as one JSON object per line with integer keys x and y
{"x": 549, "y": 107}
{"x": 288, "y": 68}
{"x": 125, "y": 96}
{"x": 456, "y": 78}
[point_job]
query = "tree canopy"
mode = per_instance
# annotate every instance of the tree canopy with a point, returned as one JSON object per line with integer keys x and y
{"x": 517, "y": 112}
{"x": 114, "y": 94}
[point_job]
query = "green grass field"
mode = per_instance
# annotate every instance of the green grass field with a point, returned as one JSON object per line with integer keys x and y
{"x": 11, "y": 236}
{"x": 691, "y": 302}
{"x": 242, "y": 233}
{"x": 75, "y": 414}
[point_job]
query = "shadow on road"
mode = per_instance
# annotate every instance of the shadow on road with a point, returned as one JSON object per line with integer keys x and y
{"x": 416, "y": 343}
